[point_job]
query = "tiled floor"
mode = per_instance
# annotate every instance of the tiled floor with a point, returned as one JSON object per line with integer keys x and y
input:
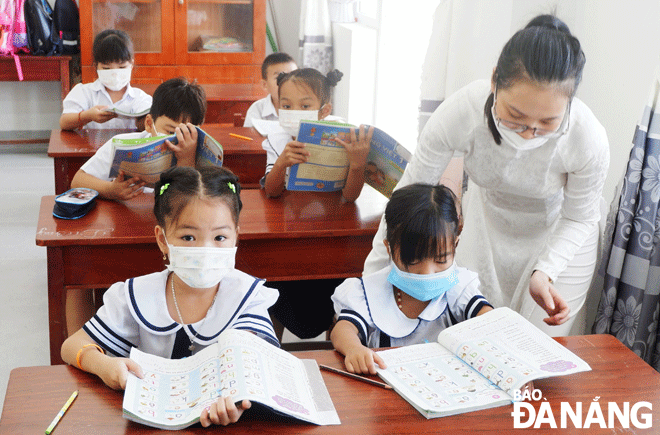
{"x": 26, "y": 174}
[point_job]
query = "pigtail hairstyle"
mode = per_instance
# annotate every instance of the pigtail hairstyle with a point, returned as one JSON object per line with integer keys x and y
{"x": 320, "y": 85}
{"x": 423, "y": 221}
{"x": 180, "y": 184}
{"x": 544, "y": 51}
{"x": 112, "y": 45}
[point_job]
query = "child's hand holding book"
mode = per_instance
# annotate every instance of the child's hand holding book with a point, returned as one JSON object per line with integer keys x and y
{"x": 186, "y": 149}
{"x": 122, "y": 189}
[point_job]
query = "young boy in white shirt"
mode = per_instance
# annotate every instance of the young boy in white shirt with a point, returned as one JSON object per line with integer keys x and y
{"x": 266, "y": 108}
{"x": 178, "y": 106}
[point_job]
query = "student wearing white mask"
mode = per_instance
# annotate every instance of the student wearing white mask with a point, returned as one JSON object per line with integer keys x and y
{"x": 179, "y": 311}
{"x": 536, "y": 158}
{"x": 85, "y": 105}
{"x": 305, "y": 94}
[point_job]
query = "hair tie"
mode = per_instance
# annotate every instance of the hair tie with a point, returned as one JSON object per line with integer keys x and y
{"x": 231, "y": 186}
{"x": 164, "y": 187}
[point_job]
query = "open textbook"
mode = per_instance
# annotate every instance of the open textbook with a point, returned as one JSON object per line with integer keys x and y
{"x": 148, "y": 157}
{"x": 173, "y": 393}
{"x": 327, "y": 168}
{"x": 476, "y": 364}
{"x": 122, "y": 114}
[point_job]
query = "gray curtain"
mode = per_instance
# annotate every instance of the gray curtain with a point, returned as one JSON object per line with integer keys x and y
{"x": 630, "y": 265}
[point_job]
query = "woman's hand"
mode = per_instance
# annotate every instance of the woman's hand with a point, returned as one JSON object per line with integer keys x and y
{"x": 223, "y": 411}
{"x": 360, "y": 359}
{"x": 186, "y": 149}
{"x": 114, "y": 371}
{"x": 547, "y": 297}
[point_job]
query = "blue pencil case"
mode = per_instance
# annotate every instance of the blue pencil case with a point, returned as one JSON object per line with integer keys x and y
{"x": 74, "y": 203}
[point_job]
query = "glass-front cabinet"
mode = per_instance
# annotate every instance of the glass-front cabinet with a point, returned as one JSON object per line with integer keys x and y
{"x": 214, "y": 41}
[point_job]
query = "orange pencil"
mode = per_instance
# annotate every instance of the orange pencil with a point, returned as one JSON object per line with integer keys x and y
{"x": 239, "y": 136}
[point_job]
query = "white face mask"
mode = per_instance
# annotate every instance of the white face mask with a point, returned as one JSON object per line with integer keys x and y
{"x": 515, "y": 140}
{"x": 290, "y": 119}
{"x": 201, "y": 267}
{"x": 115, "y": 79}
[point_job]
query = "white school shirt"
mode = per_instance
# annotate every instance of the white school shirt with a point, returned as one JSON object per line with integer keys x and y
{"x": 261, "y": 109}
{"x": 99, "y": 164}
{"x": 369, "y": 304}
{"x": 134, "y": 314}
{"x": 524, "y": 210}
{"x": 274, "y": 144}
{"x": 88, "y": 95}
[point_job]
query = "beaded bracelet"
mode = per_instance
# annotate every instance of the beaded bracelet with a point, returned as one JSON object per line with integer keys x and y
{"x": 79, "y": 354}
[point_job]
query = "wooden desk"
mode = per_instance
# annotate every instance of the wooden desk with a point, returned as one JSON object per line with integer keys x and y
{"x": 302, "y": 235}
{"x": 223, "y": 100}
{"x": 70, "y": 149}
{"x": 36, "y": 394}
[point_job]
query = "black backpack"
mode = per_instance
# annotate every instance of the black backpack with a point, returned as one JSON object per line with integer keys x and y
{"x": 65, "y": 31}
{"x": 38, "y": 23}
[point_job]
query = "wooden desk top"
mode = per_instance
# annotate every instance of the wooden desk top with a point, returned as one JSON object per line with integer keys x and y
{"x": 294, "y": 215}
{"x": 220, "y": 91}
{"x": 36, "y": 394}
{"x": 84, "y": 143}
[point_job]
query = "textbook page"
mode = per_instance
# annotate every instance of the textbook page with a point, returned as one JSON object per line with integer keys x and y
{"x": 173, "y": 393}
{"x": 438, "y": 383}
{"x": 123, "y": 114}
{"x": 510, "y": 351}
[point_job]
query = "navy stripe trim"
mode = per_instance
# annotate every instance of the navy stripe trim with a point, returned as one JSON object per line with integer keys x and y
{"x": 131, "y": 294}
{"x": 122, "y": 339}
{"x": 265, "y": 335}
{"x": 100, "y": 336}
{"x": 247, "y": 296}
{"x": 471, "y": 309}
{"x": 100, "y": 343}
{"x": 361, "y": 325}
{"x": 255, "y": 316}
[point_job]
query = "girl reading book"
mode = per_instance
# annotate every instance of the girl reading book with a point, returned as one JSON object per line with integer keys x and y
{"x": 421, "y": 292}
{"x": 181, "y": 310}
{"x": 305, "y": 94}
{"x": 86, "y": 104}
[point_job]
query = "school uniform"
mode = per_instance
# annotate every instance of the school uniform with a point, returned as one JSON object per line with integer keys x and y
{"x": 369, "y": 304}
{"x": 99, "y": 164}
{"x": 88, "y": 95}
{"x": 134, "y": 314}
{"x": 261, "y": 109}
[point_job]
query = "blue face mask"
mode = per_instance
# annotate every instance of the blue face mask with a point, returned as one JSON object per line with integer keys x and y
{"x": 423, "y": 287}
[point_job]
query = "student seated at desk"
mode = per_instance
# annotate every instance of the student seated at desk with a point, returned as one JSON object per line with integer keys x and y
{"x": 177, "y": 107}
{"x": 273, "y": 65}
{"x": 179, "y": 311}
{"x": 420, "y": 293}
{"x": 84, "y": 106}
{"x": 304, "y": 307}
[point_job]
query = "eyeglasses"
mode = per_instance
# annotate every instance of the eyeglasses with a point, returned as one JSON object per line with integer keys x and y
{"x": 537, "y": 132}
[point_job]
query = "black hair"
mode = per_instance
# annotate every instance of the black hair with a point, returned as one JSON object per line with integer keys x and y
{"x": 274, "y": 59}
{"x": 179, "y": 99}
{"x": 423, "y": 221}
{"x": 320, "y": 85}
{"x": 180, "y": 184}
{"x": 545, "y": 52}
{"x": 112, "y": 45}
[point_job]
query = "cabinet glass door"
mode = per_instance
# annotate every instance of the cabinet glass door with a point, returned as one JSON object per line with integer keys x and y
{"x": 144, "y": 22}
{"x": 219, "y": 26}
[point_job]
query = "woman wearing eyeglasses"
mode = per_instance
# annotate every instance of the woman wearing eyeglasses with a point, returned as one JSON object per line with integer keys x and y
{"x": 537, "y": 159}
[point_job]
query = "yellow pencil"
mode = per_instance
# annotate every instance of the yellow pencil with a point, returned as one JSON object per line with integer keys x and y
{"x": 60, "y": 414}
{"x": 239, "y": 136}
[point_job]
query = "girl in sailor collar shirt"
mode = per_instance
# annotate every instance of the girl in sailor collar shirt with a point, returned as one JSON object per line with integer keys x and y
{"x": 179, "y": 311}
{"x": 420, "y": 293}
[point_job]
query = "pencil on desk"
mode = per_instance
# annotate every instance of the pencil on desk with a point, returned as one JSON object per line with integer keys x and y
{"x": 354, "y": 376}
{"x": 60, "y": 414}
{"x": 239, "y": 136}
